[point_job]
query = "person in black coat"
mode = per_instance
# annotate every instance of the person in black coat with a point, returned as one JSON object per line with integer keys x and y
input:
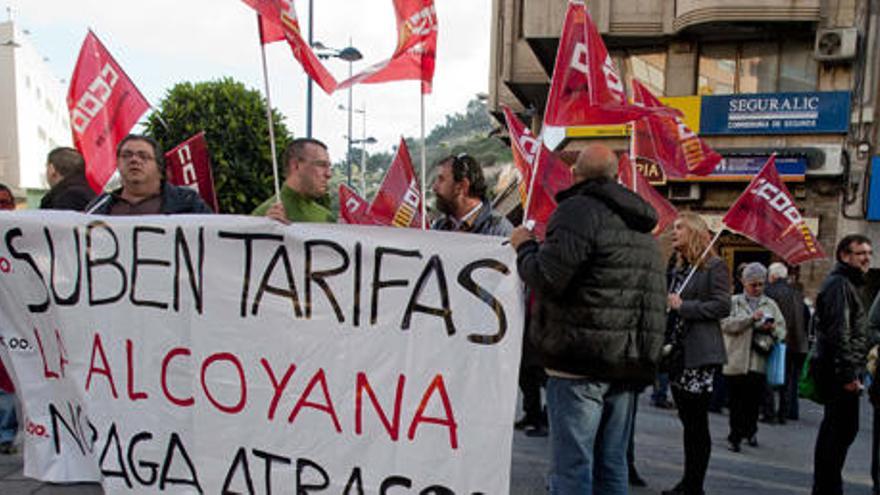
{"x": 699, "y": 298}
{"x": 66, "y": 175}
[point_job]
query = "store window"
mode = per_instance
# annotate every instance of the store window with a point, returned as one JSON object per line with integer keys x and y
{"x": 648, "y": 67}
{"x": 757, "y": 67}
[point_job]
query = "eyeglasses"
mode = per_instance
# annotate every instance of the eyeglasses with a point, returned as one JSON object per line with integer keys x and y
{"x": 142, "y": 155}
{"x": 321, "y": 163}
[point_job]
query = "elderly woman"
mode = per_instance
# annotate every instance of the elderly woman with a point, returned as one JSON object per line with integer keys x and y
{"x": 755, "y": 324}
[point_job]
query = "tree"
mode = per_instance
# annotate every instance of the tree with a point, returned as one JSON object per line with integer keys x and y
{"x": 234, "y": 120}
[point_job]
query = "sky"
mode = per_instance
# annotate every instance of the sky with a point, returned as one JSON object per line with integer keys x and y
{"x": 162, "y": 42}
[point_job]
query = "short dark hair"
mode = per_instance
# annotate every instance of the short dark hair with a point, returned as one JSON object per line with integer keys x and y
{"x": 844, "y": 245}
{"x": 5, "y": 188}
{"x": 465, "y": 166}
{"x": 67, "y": 161}
{"x": 157, "y": 148}
{"x": 296, "y": 149}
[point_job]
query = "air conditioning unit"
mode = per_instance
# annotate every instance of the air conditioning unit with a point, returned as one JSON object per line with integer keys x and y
{"x": 836, "y": 44}
{"x": 683, "y": 191}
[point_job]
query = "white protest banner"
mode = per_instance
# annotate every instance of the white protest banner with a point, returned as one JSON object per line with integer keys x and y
{"x": 217, "y": 354}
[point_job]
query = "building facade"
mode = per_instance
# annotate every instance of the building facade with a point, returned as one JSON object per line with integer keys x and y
{"x": 33, "y": 115}
{"x": 752, "y": 77}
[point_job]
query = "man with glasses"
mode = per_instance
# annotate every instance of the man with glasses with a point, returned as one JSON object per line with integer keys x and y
{"x": 839, "y": 360}
{"x": 304, "y": 194}
{"x": 144, "y": 191}
{"x": 460, "y": 194}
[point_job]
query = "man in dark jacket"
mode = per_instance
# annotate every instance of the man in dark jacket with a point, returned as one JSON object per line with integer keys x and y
{"x": 599, "y": 321}
{"x": 460, "y": 191}
{"x": 66, "y": 175}
{"x": 791, "y": 304}
{"x": 144, "y": 192}
{"x": 839, "y": 362}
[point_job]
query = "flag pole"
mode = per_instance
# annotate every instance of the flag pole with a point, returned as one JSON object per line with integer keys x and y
{"x": 532, "y": 181}
{"x": 694, "y": 268}
{"x": 269, "y": 113}
{"x": 632, "y": 155}
{"x": 424, "y": 162}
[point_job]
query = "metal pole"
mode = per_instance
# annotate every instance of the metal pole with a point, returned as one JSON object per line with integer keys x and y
{"x": 424, "y": 164}
{"x": 348, "y": 155}
{"x": 364, "y": 151}
{"x": 309, "y": 79}
{"x": 269, "y": 118}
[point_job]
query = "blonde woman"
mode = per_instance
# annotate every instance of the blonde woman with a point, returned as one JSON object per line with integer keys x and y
{"x": 755, "y": 324}
{"x": 693, "y": 326}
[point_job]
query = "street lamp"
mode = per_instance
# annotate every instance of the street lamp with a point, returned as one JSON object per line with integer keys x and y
{"x": 350, "y": 54}
{"x": 364, "y": 142}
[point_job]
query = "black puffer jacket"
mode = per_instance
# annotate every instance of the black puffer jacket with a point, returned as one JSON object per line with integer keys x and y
{"x": 841, "y": 327}
{"x": 600, "y": 285}
{"x": 72, "y": 193}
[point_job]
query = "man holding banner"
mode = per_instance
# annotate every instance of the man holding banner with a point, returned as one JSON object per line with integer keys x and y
{"x": 460, "y": 191}
{"x": 140, "y": 163}
{"x": 304, "y": 195}
{"x": 599, "y": 322}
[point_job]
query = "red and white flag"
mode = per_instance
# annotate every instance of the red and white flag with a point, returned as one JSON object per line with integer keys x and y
{"x": 281, "y": 14}
{"x": 586, "y": 88}
{"x": 632, "y": 179}
{"x": 353, "y": 208}
{"x": 529, "y": 153}
{"x": 668, "y": 141}
{"x": 104, "y": 105}
{"x": 189, "y": 165}
{"x": 416, "y": 50}
{"x": 399, "y": 199}
{"x": 766, "y": 214}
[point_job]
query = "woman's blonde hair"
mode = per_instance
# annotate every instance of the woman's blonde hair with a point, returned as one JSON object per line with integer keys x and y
{"x": 697, "y": 237}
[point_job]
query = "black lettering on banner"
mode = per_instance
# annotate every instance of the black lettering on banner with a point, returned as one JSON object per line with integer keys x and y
{"x": 290, "y": 292}
{"x": 248, "y": 259}
{"x": 11, "y": 235}
{"x": 72, "y": 427}
{"x": 197, "y": 287}
{"x": 73, "y": 298}
{"x": 175, "y": 445}
{"x": 435, "y": 265}
{"x": 354, "y": 478}
{"x": 466, "y": 280}
{"x": 301, "y": 487}
{"x": 239, "y": 463}
{"x": 381, "y": 284}
{"x": 319, "y": 276}
{"x": 113, "y": 438}
{"x": 137, "y": 261}
{"x": 270, "y": 458}
{"x": 436, "y": 490}
{"x": 393, "y": 481}
{"x": 153, "y": 467}
{"x": 112, "y": 261}
{"x": 356, "y": 307}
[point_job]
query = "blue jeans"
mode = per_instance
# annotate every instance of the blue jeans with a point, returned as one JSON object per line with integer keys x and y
{"x": 8, "y": 423}
{"x": 590, "y": 424}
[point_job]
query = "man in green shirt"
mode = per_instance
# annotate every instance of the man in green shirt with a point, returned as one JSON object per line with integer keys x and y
{"x": 304, "y": 194}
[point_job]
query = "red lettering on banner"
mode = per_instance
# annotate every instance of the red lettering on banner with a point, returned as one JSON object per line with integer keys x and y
{"x": 278, "y": 388}
{"x": 393, "y": 426}
{"x": 47, "y": 373}
{"x": 448, "y": 421}
{"x": 62, "y": 352}
{"x": 326, "y": 407}
{"x": 242, "y": 399}
{"x": 98, "y": 351}
{"x": 177, "y": 351}
{"x": 132, "y": 395}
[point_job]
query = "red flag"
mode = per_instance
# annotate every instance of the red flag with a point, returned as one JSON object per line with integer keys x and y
{"x": 399, "y": 199}
{"x": 553, "y": 174}
{"x": 766, "y": 214}
{"x": 666, "y": 140}
{"x": 104, "y": 105}
{"x": 282, "y": 13}
{"x": 269, "y": 31}
{"x": 189, "y": 165}
{"x": 632, "y": 179}
{"x": 416, "y": 49}
{"x": 353, "y": 208}
{"x": 586, "y": 88}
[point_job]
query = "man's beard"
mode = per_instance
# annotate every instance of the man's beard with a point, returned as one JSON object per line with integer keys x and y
{"x": 443, "y": 205}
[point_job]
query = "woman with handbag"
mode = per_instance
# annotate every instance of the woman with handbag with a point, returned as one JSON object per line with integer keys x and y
{"x": 696, "y": 308}
{"x": 754, "y": 326}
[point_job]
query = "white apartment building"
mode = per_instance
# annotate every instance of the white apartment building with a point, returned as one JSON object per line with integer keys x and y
{"x": 33, "y": 114}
